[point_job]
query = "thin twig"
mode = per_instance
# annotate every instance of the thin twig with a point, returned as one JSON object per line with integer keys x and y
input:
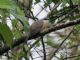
{"x": 41, "y": 10}
{"x": 37, "y": 52}
{"x": 44, "y": 51}
{"x": 60, "y": 45}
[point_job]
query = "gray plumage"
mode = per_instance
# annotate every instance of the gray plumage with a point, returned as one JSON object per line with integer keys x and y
{"x": 36, "y": 27}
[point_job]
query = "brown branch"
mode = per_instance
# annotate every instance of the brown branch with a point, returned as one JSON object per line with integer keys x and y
{"x": 51, "y": 29}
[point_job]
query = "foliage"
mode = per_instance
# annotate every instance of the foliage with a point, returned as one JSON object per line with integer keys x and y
{"x": 20, "y": 23}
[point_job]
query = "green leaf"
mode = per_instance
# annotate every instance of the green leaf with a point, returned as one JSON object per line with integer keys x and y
{"x": 1, "y": 38}
{"x": 4, "y": 13}
{"x": 7, "y": 4}
{"x": 14, "y": 22}
{"x": 19, "y": 14}
{"x": 17, "y": 34}
{"x": 16, "y": 28}
{"x": 6, "y": 34}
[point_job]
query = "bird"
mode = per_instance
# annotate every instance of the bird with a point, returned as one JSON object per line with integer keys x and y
{"x": 38, "y": 26}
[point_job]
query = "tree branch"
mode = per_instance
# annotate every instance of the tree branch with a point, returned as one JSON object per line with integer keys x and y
{"x": 51, "y": 29}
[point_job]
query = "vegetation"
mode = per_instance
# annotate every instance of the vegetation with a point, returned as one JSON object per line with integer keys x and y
{"x": 14, "y": 28}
